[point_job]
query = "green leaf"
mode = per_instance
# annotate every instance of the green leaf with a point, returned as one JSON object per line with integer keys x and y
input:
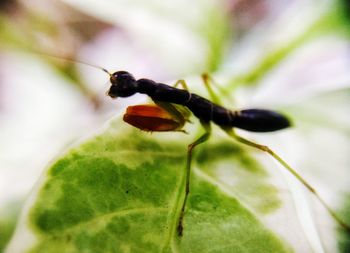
{"x": 8, "y": 219}
{"x": 343, "y": 235}
{"x": 122, "y": 191}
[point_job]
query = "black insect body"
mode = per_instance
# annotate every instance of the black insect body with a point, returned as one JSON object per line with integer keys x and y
{"x": 255, "y": 120}
{"x": 169, "y": 118}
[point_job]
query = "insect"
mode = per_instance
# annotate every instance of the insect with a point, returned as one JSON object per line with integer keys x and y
{"x": 123, "y": 84}
{"x": 171, "y": 112}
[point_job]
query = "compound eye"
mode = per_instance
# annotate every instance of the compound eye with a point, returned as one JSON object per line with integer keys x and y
{"x": 113, "y": 79}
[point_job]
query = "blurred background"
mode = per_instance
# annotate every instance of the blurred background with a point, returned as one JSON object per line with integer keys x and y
{"x": 290, "y": 55}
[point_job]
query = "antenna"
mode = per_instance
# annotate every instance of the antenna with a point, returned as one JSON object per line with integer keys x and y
{"x": 74, "y": 61}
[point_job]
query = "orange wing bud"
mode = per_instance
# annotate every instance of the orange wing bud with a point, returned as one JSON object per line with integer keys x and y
{"x": 151, "y": 118}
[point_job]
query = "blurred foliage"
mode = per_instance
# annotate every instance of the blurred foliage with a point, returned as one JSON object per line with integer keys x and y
{"x": 343, "y": 235}
{"x": 329, "y": 23}
{"x": 217, "y": 33}
{"x": 344, "y": 13}
{"x": 26, "y": 29}
{"x": 9, "y": 215}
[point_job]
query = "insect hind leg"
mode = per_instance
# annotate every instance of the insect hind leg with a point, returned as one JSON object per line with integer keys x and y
{"x": 266, "y": 149}
{"x": 203, "y": 138}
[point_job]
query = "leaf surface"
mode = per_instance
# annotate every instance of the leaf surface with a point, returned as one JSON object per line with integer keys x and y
{"x": 122, "y": 191}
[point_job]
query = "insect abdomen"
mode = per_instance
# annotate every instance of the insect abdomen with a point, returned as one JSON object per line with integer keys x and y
{"x": 259, "y": 120}
{"x": 200, "y": 107}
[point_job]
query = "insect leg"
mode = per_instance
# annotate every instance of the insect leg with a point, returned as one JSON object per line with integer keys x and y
{"x": 204, "y": 137}
{"x": 208, "y": 82}
{"x": 266, "y": 149}
{"x": 182, "y": 83}
{"x": 180, "y": 113}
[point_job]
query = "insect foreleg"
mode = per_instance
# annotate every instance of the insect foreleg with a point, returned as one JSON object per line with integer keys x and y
{"x": 266, "y": 149}
{"x": 204, "y": 137}
{"x": 180, "y": 113}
